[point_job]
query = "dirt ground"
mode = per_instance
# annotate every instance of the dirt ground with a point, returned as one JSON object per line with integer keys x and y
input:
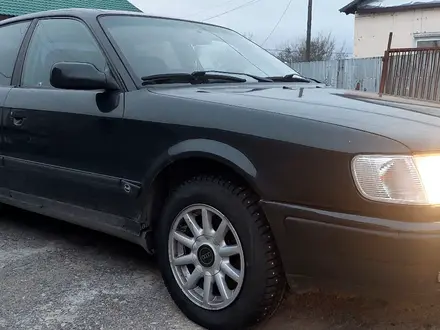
{"x": 319, "y": 311}
{"x": 55, "y": 275}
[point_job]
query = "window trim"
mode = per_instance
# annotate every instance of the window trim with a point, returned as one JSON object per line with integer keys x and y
{"x": 426, "y": 36}
{"x": 18, "y": 75}
{"x": 426, "y": 39}
{"x": 118, "y": 50}
{"x": 22, "y": 44}
{"x": 15, "y": 81}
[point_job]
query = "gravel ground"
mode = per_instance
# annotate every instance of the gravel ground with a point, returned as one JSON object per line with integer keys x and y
{"x": 55, "y": 275}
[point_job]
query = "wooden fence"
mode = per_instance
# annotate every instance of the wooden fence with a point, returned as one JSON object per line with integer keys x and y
{"x": 411, "y": 72}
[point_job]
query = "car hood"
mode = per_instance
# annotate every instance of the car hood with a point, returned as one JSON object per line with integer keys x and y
{"x": 413, "y": 123}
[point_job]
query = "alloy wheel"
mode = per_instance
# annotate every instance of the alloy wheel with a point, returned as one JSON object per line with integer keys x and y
{"x": 206, "y": 256}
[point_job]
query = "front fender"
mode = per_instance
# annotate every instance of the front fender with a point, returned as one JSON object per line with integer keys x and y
{"x": 211, "y": 149}
{"x": 217, "y": 150}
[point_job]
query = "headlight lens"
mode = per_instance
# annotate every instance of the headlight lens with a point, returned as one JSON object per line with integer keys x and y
{"x": 398, "y": 179}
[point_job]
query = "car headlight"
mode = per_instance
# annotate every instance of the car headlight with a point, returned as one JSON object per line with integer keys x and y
{"x": 398, "y": 179}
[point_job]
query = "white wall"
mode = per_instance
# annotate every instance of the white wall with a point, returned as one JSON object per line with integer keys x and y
{"x": 371, "y": 30}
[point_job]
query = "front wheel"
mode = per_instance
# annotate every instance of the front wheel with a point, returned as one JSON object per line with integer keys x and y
{"x": 217, "y": 255}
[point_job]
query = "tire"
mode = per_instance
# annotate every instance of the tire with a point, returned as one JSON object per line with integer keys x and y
{"x": 259, "y": 282}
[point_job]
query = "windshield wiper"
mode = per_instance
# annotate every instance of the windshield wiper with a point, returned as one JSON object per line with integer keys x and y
{"x": 197, "y": 77}
{"x": 290, "y": 78}
{"x": 315, "y": 80}
{"x": 257, "y": 78}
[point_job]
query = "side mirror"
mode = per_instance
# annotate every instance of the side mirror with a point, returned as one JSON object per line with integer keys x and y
{"x": 80, "y": 76}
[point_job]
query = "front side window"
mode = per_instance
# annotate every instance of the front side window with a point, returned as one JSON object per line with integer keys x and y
{"x": 58, "y": 40}
{"x": 11, "y": 36}
{"x": 155, "y": 46}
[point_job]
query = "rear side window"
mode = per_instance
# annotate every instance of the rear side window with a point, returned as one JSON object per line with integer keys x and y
{"x": 11, "y": 37}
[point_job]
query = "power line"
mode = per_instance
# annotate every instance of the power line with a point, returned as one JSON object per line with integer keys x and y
{"x": 251, "y": 2}
{"x": 278, "y": 23}
{"x": 206, "y": 9}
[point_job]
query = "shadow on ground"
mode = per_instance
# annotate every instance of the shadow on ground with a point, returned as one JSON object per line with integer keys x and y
{"x": 37, "y": 226}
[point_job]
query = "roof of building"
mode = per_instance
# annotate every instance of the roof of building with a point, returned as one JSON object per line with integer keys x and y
{"x": 371, "y": 6}
{"x": 21, "y": 7}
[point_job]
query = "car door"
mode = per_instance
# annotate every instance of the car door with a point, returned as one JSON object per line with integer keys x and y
{"x": 64, "y": 145}
{"x": 12, "y": 36}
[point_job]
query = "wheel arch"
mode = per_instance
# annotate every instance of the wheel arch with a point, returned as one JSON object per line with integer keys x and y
{"x": 187, "y": 159}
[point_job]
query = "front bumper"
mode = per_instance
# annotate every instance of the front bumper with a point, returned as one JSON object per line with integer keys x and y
{"x": 356, "y": 252}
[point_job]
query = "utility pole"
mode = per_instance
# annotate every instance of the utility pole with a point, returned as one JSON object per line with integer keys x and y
{"x": 309, "y": 30}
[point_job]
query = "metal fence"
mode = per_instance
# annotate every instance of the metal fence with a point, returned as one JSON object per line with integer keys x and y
{"x": 412, "y": 72}
{"x": 362, "y": 74}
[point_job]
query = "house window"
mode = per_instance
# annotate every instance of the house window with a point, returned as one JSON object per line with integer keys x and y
{"x": 430, "y": 43}
{"x": 427, "y": 40}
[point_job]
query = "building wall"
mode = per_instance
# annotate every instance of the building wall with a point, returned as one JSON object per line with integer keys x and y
{"x": 408, "y": 27}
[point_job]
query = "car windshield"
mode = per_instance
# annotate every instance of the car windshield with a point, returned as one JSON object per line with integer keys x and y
{"x": 154, "y": 46}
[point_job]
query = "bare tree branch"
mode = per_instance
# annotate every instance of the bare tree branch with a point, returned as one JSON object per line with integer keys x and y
{"x": 322, "y": 48}
{"x": 341, "y": 53}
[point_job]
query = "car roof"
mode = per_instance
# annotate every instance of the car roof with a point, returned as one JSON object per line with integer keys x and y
{"x": 87, "y": 14}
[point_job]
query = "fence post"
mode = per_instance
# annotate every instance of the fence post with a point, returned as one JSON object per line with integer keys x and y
{"x": 385, "y": 61}
{"x": 340, "y": 74}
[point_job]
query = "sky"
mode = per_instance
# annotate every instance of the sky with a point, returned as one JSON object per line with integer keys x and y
{"x": 260, "y": 17}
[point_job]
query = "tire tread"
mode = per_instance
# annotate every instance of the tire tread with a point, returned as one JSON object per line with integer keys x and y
{"x": 275, "y": 278}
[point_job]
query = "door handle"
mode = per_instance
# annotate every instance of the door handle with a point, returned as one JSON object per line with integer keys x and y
{"x": 17, "y": 118}
{"x": 17, "y": 121}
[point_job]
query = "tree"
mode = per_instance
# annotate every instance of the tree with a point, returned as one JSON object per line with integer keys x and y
{"x": 322, "y": 48}
{"x": 286, "y": 55}
{"x": 341, "y": 53}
